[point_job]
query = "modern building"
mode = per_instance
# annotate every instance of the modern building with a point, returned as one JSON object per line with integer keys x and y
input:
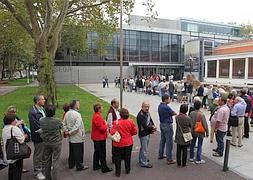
{"x": 150, "y": 47}
{"x": 231, "y": 64}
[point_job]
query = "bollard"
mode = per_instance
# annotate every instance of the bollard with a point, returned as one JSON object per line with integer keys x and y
{"x": 225, "y": 164}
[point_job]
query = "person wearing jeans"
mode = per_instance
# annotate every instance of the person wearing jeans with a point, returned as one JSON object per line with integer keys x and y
{"x": 196, "y": 116}
{"x": 146, "y": 127}
{"x": 220, "y": 122}
{"x": 165, "y": 116}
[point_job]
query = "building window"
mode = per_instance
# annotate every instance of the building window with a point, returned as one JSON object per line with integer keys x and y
{"x": 224, "y": 68}
{"x": 250, "y": 68}
{"x": 238, "y": 68}
{"x": 211, "y": 69}
{"x": 192, "y": 27}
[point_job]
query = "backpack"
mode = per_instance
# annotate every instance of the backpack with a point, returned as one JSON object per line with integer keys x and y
{"x": 199, "y": 128}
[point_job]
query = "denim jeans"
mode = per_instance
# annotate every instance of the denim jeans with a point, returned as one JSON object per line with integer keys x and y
{"x": 143, "y": 154}
{"x": 220, "y": 141}
{"x": 166, "y": 139}
{"x": 199, "y": 149}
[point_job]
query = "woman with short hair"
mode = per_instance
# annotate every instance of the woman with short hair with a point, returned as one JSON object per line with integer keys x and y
{"x": 123, "y": 149}
{"x": 50, "y": 133}
{"x": 183, "y": 126}
{"x": 99, "y": 135}
{"x": 11, "y": 129}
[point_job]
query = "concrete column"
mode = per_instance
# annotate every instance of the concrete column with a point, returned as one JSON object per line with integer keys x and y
{"x": 246, "y": 71}
{"x": 217, "y": 68}
{"x": 206, "y": 68}
{"x": 230, "y": 69}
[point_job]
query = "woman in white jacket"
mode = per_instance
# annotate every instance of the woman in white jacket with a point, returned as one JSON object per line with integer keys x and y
{"x": 15, "y": 166}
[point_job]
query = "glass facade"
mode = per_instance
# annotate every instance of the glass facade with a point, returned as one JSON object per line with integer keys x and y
{"x": 238, "y": 68}
{"x": 250, "y": 69}
{"x": 139, "y": 46}
{"x": 224, "y": 68}
{"x": 211, "y": 69}
{"x": 210, "y": 28}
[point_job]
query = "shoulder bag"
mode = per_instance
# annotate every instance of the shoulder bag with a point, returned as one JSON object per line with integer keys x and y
{"x": 16, "y": 150}
{"x": 187, "y": 136}
{"x": 116, "y": 136}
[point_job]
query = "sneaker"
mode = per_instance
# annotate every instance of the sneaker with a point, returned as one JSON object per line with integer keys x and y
{"x": 40, "y": 176}
{"x": 191, "y": 160}
{"x": 217, "y": 154}
{"x": 202, "y": 161}
{"x": 147, "y": 166}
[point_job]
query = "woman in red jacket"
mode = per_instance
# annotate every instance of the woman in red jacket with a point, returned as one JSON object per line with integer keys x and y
{"x": 99, "y": 135}
{"x": 123, "y": 148}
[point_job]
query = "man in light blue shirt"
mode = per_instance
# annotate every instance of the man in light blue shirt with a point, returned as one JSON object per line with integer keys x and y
{"x": 238, "y": 110}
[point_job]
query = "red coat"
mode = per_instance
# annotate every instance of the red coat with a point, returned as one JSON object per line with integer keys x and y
{"x": 99, "y": 127}
{"x": 127, "y": 129}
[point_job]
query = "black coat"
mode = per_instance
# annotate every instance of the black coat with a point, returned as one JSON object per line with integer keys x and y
{"x": 34, "y": 120}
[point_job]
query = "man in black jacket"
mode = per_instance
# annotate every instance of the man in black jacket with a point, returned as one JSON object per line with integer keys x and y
{"x": 247, "y": 112}
{"x": 146, "y": 127}
{"x": 35, "y": 114}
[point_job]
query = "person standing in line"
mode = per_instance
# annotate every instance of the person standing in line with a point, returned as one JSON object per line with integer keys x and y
{"x": 183, "y": 126}
{"x": 146, "y": 127}
{"x": 196, "y": 116}
{"x": 220, "y": 121}
{"x": 171, "y": 90}
{"x": 123, "y": 149}
{"x": 99, "y": 135}
{"x": 200, "y": 92}
{"x": 35, "y": 114}
{"x": 113, "y": 115}
{"x": 51, "y": 135}
{"x": 238, "y": 111}
{"x": 247, "y": 112}
{"x": 20, "y": 123}
{"x": 166, "y": 125}
{"x": 74, "y": 129}
{"x": 11, "y": 129}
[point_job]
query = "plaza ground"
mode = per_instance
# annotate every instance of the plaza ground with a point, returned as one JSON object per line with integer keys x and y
{"x": 211, "y": 170}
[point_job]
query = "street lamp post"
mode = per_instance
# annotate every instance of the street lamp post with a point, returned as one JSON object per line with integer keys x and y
{"x": 70, "y": 64}
{"x": 121, "y": 54}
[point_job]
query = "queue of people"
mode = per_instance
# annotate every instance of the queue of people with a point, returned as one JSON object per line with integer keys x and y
{"x": 45, "y": 132}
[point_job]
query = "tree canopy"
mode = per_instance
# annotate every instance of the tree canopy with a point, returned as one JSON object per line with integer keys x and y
{"x": 44, "y": 21}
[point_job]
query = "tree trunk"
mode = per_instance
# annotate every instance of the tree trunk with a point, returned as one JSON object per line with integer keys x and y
{"x": 2, "y": 71}
{"x": 46, "y": 78}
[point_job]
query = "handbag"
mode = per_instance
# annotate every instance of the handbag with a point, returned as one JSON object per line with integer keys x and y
{"x": 16, "y": 150}
{"x": 187, "y": 136}
{"x": 116, "y": 136}
{"x": 233, "y": 121}
{"x": 199, "y": 128}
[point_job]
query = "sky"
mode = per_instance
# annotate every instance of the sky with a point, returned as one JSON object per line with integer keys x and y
{"x": 239, "y": 11}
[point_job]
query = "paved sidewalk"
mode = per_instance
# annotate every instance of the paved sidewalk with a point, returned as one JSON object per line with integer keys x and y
{"x": 240, "y": 159}
{"x": 160, "y": 170}
{"x": 7, "y": 89}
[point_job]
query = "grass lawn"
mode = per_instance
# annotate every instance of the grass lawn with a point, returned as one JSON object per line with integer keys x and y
{"x": 23, "y": 99}
{"x": 17, "y": 82}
